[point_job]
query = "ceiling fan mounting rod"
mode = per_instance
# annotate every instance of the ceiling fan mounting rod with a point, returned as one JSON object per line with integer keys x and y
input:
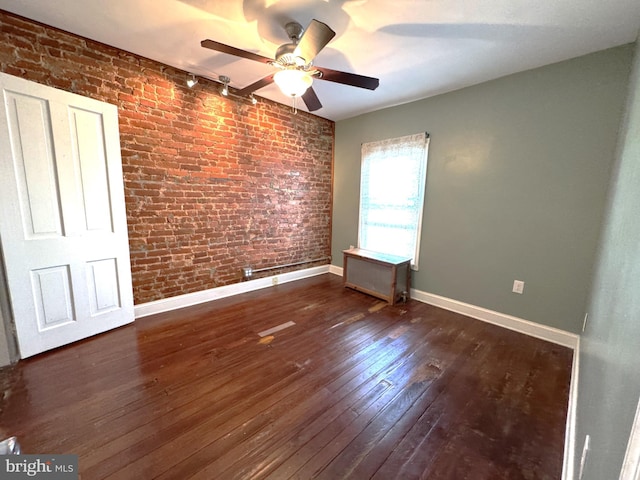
{"x": 294, "y": 31}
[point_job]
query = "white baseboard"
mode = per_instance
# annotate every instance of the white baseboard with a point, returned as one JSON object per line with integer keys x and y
{"x": 335, "y": 270}
{"x": 189, "y": 299}
{"x": 570, "y": 430}
{"x": 631, "y": 463}
{"x": 550, "y": 334}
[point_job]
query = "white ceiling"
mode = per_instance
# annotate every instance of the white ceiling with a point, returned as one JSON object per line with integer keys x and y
{"x": 417, "y": 48}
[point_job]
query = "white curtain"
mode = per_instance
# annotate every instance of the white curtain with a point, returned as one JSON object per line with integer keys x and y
{"x": 392, "y": 184}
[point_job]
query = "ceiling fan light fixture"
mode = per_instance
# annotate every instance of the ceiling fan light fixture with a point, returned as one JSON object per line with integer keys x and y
{"x": 292, "y": 82}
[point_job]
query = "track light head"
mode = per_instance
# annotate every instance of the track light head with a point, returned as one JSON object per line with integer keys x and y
{"x": 224, "y": 91}
{"x": 191, "y": 80}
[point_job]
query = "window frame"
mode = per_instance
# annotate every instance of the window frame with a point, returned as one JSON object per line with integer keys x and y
{"x": 395, "y": 142}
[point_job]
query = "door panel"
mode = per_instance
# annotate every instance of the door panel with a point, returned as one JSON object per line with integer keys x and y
{"x": 34, "y": 164}
{"x": 89, "y": 155}
{"x": 52, "y": 295}
{"x": 103, "y": 286}
{"x": 62, "y": 215}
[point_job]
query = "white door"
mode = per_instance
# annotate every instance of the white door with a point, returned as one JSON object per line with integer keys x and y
{"x": 63, "y": 225}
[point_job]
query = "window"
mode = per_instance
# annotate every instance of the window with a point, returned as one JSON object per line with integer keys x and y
{"x": 392, "y": 184}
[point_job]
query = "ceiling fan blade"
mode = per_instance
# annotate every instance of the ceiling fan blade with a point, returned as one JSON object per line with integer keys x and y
{"x": 345, "y": 78}
{"x": 249, "y": 89}
{"x": 314, "y": 39}
{"x": 311, "y": 100}
{"x": 221, "y": 47}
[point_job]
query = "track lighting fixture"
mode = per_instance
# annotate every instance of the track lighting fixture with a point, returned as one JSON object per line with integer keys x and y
{"x": 224, "y": 91}
{"x": 191, "y": 80}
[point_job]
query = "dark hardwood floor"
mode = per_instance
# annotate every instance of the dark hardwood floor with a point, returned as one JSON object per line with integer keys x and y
{"x": 355, "y": 389}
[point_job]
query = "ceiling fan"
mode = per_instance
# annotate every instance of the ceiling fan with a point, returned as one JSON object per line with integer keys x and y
{"x": 293, "y": 60}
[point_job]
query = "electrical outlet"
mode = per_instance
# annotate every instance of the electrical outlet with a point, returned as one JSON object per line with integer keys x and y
{"x": 274, "y": 281}
{"x": 585, "y": 454}
{"x": 518, "y": 286}
{"x": 584, "y": 322}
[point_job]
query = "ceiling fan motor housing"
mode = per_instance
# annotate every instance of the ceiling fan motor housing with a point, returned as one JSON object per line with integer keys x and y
{"x": 286, "y": 57}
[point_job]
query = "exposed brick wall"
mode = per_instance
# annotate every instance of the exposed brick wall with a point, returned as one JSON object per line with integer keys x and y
{"x": 211, "y": 184}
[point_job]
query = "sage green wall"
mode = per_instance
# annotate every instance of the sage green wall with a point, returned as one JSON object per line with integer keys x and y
{"x": 4, "y": 344}
{"x": 516, "y": 184}
{"x": 8, "y": 348}
{"x": 609, "y": 383}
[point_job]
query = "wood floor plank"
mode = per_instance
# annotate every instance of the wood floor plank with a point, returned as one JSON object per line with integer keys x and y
{"x": 355, "y": 388}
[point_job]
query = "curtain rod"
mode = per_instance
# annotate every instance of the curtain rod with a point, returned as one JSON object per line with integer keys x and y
{"x": 426, "y": 135}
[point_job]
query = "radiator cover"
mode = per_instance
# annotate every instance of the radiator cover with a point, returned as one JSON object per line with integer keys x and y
{"x": 384, "y": 276}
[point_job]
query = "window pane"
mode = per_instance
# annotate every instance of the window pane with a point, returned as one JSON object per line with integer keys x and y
{"x": 392, "y": 195}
